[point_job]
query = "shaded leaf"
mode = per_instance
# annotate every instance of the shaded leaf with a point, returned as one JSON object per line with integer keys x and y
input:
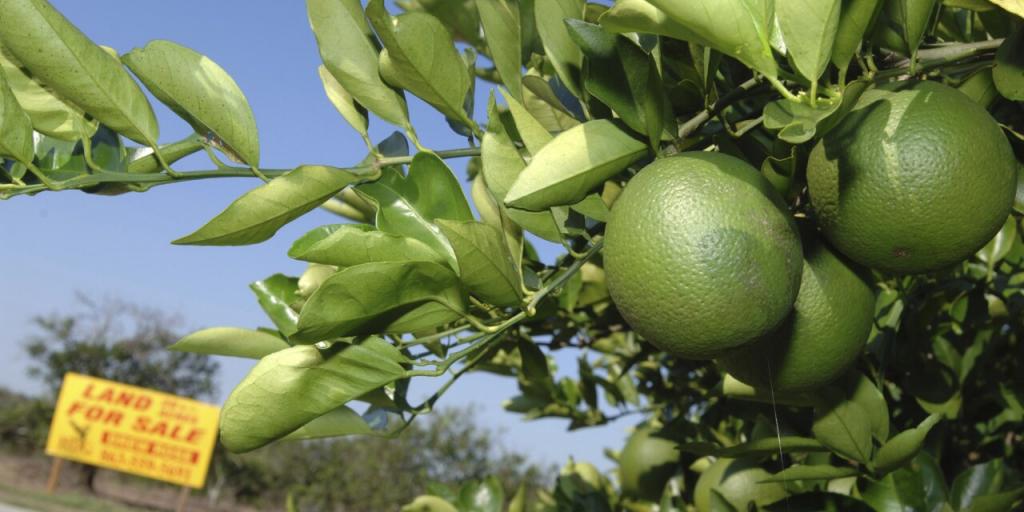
{"x": 843, "y": 426}
{"x": 559, "y": 48}
{"x": 343, "y": 37}
{"x": 347, "y": 245}
{"x": 905, "y": 23}
{"x": 15, "y": 126}
{"x": 62, "y": 57}
{"x": 49, "y": 114}
{"x": 812, "y": 472}
{"x": 640, "y": 16}
{"x": 353, "y": 112}
{"x": 533, "y": 134}
{"x": 902, "y": 448}
{"x": 855, "y": 18}
{"x": 230, "y": 341}
{"x": 383, "y": 297}
{"x": 200, "y": 92}
{"x": 292, "y": 387}
{"x": 1008, "y": 73}
{"x": 573, "y": 164}
{"x": 898, "y": 491}
{"x": 808, "y": 28}
{"x": 276, "y": 295}
{"x": 344, "y": 421}
{"x": 758, "y": 448}
{"x": 259, "y": 213}
{"x": 977, "y": 481}
{"x": 486, "y": 266}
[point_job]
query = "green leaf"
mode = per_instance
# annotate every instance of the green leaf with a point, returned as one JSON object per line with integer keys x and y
{"x": 564, "y": 55}
{"x": 408, "y": 205}
{"x": 905, "y": 22}
{"x": 49, "y": 114}
{"x": 292, "y": 387}
{"x": 640, "y": 16}
{"x": 809, "y": 28}
{"x": 843, "y": 426}
{"x": 1000, "y": 245}
{"x": 996, "y": 502}
{"x": 811, "y": 472}
{"x": 344, "y": 421}
{"x": 1013, "y": 6}
{"x": 500, "y": 20}
{"x": 347, "y": 245}
{"x": 143, "y": 160}
{"x": 384, "y": 297}
{"x": 862, "y": 390}
{"x": 419, "y": 56}
{"x": 343, "y": 37}
{"x": 1008, "y": 73}
{"x": 975, "y": 482}
{"x": 353, "y": 112}
{"x": 230, "y": 341}
{"x": 902, "y": 448}
{"x": 259, "y": 213}
{"x": 276, "y": 295}
{"x": 429, "y": 504}
{"x": 15, "y": 126}
{"x": 62, "y": 57}
{"x": 855, "y": 18}
{"x": 734, "y": 388}
{"x": 758, "y": 448}
{"x": 624, "y": 77}
{"x": 573, "y": 164}
{"x": 200, "y": 92}
{"x": 486, "y": 266}
{"x": 797, "y": 122}
{"x": 899, "y": 491}
{"x": 533, "y": 134}
{"x": 738, "y": 28}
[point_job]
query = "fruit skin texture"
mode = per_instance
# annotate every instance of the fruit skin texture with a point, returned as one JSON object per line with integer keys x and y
{"x": 737, "y": 481}
{"x": 818, "y": 342}
{"x": 646, "y": 464}
{"x": 916, "y": 178}
{"x": 701, "y": 255}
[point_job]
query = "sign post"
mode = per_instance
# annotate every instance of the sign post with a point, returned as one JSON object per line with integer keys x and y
{"x": 134, "y": 430}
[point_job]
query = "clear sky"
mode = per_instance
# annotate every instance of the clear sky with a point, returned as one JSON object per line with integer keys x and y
{"x": 55, "y": 244}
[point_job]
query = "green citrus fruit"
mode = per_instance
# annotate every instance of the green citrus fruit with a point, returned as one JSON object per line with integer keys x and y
{"x": 701, "y": 255}
{"x": 820, "y": 339}
{"x": 917, "y": 177}
{"x": 646, "y": 464}
{"x": 736, "y": 480}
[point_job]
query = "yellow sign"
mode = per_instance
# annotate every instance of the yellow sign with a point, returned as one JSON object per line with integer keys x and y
{"x": 134, "y": 430}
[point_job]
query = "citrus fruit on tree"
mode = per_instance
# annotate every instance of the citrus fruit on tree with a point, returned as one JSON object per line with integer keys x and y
{"x": 917, "y": 177}
{"x": 646, "y": 464}
{"x": 701, "y": 255}
{"x": 823, "y": 336}
{"x": 739, "y": 481}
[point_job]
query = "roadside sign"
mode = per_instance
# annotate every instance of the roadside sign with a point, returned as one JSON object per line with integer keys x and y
{"x": 135, "y": 430}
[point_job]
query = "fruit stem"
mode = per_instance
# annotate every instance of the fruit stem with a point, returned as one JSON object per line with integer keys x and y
{"x": 781, "y": 88}
{"x": 695, "y": 122}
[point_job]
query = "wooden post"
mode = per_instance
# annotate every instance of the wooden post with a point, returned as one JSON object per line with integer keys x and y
{"x": 183, "y": 499}
{"x": 51, "y": 483}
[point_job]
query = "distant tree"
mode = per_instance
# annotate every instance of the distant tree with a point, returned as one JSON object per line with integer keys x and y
{"x": 118, "y": 341}
{"x": 123, "y": 342}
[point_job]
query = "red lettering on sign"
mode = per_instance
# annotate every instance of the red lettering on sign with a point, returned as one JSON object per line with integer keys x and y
{"x": 174, "y": 431}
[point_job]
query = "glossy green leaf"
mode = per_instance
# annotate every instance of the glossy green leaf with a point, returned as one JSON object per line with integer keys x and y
{"x": 419, "y": 56}
{"x": 899, "y": 450}
{"x": 277, "y": 295}
{"x": 62, "y": 57}
{"x": 759, "y": 448}
{"x": 384, "y": 297}
{"x": 624, "y": 77}
{"x": 738, "y": 28}
{"x": 230, "y": 341}
{"x": 855, "y": 18}
{"x": 905, "y": 23}
{"x": 353, "y": 112}
{"x": 500, "y": 19}
{"x": 15, "y": 126}
{"x": 343, "y": 37}
{"x": 977, "y": 481}
{"x": 843, "y": 426}
{"x": 50, "y": 115}
{"x": 201, "y": 92}
{"x": 533, "y": 134}
{"x": 292, "y": 387}
{"x": 812, "y": 472}
{"x": 259, "y": 213}
{"x": 1008, "y": 73}
{"x": 344, "y": 421}
{"x": 640, "y": 16}
{"x": 486, "y": 266}
{"x": 564, "y": 55}
{"x": 347, "y": 245}
{"x": 573, "y": 164}
{"x": 899, "y": 491}
{"x": 809, "y": 28}
{"x": 997, "y": 502}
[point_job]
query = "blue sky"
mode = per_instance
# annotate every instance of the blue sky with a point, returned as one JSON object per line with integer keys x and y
{"x": 55, "y": 244}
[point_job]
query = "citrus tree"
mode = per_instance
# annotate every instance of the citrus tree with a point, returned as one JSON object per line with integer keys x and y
{"x": 790, "y": 229}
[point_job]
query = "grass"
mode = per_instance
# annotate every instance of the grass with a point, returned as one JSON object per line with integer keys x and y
{"x": 61, "y": 501}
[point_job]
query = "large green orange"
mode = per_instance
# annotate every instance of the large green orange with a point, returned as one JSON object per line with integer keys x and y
{"x": 701, "y": 255}
{"x": 646, "y": 464}
{"x": 917, "y": 177}
{"x": 820, "y": 339}
{"x": 738, "y": 481}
